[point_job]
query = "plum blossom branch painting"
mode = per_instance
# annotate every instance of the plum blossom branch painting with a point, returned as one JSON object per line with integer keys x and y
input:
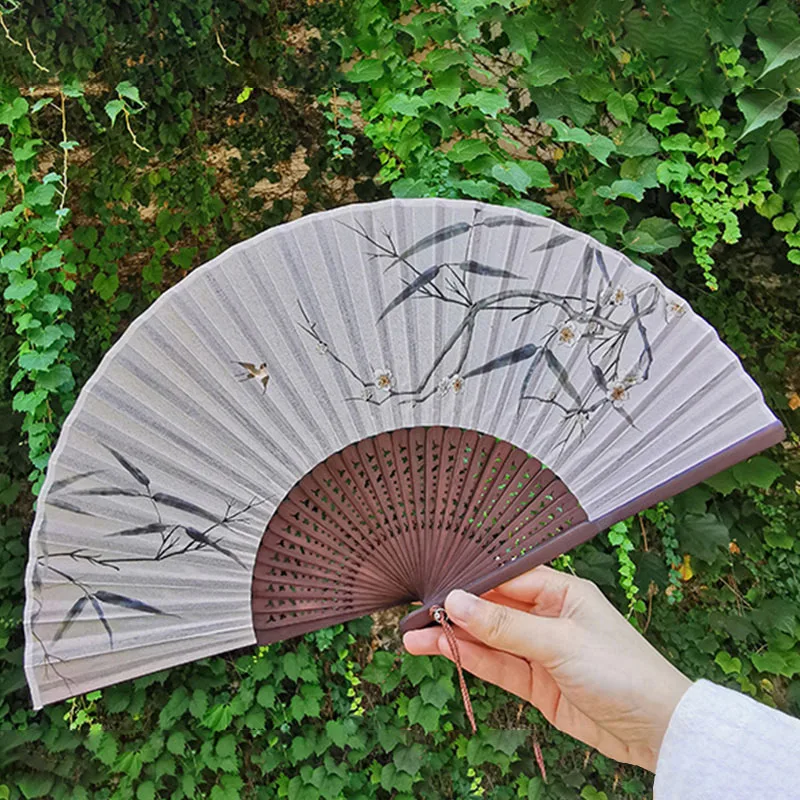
{"x": 599, "y": 323}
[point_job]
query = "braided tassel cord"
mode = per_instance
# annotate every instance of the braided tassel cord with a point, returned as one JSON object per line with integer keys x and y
{"x": 439, "y": 615}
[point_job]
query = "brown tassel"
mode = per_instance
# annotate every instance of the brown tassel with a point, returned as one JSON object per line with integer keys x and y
{"x": 439, "y": 615}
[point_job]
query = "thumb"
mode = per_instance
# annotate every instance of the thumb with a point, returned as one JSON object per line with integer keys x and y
{"x": 518, "y": 632}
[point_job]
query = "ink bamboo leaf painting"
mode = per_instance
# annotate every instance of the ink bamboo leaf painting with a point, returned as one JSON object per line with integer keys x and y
{"x": 358, "y": 409}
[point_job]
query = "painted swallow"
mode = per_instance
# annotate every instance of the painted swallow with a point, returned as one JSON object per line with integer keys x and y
{"x": 259, "y": 372}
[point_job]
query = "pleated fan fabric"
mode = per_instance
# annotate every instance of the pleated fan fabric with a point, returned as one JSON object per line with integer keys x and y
{"x": 317, "y": 335}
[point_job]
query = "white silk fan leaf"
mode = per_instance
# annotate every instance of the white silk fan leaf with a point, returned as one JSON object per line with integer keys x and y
{"x": 359, "y": 409}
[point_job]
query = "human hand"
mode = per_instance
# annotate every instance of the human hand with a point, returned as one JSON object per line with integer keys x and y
{"x": 555, "y": 640}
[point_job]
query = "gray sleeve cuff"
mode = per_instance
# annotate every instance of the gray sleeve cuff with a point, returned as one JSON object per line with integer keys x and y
{"x": 723, "y": 744}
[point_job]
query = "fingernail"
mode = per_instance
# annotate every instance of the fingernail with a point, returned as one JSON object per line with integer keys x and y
{"x": 460, "y": 606}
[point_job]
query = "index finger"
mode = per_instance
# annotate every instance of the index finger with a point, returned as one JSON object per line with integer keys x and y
{"x": 542, "y": 590}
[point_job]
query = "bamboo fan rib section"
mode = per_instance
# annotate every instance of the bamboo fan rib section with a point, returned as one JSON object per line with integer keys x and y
{"x": 400, "y": 517}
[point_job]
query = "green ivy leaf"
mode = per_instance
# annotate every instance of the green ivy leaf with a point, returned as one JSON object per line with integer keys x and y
{"x": 393, "y": 781}
{"x": 176, "y": 743}
{"x": 365, "y": 71}
{"x": 441, "y": 59}
{"x": 14, "y": 259}
{"x": 680, "y": 142}
{"x": 198, "y": 703}
{"x": 778, "y": 53}
{"x": 339, "y": 732}
{"x": 723, "y": 482}
{"x": 417, "y": 668}
{"x": 786, "y": 149}
{"x": 729, "y": 665}
{"x": 785, "y": 223}
{"x": 146, "y": 791}
{"x": 512, "y": 174}
{"x": 775, "y": 614}
{"x": 770, "y": 661}
{"x": 298, "y": 665}
{"x": 568, "y": 133}
{"x": 544, "y": 70}
{"x": 103, "y": 745}
{"x": 521, "y": 32}
{"x": 536, "y": 787}
{"x": 129, "y": 763}
{"x": 622, "y": 188}
{"x": 447, "y": 96}
{"x": 35, "y": 785}
{"x": 674, "y": 171}
{"x": 590, "y": 793}
{"x": 40, "y": 195}
{"x": 11, "y": 112}
{"x": 653, "y": 235}
{"x": 664, "y": 119}
{"x": 466, "y": 150}
{"x": 758, "y": 471}
{"x": 437, "y": 692}
{"x": 20, "y": 291}
{"x": 50, "y": 260}
{"x": 409, "y": 759}
{"x": 266, "y": 696}
{"x": 407, "y": 105}
{"x": 28, "y": 402}
{"x": 113, "y": 108}
{"x": 635, "y": 140}
{"x": 622, "y": 106}
{"x": 184, "y": 257}
{"x": 527, "y": 205}
{"x": 226, "y": 746}
{"x": 554, "y": 102}
{"x": 479, "y": 189}
{"x": 25, "y": 151}
{"x": 127, "y": 90}
{"x": 423, "y": 714}
{"x": 703, "y": 536}
{"x": 488, "y": 102}
{"x": 759, "y": 107}
{"x": 105, "y": 285}
{"x": 218, "y": 717}
{"x": 601, "y": 147}
{"x": 771, "y": 206}
{"x": 256, "y": 720}
{"x": 36, "y": 360}
{"x": 174, "y": 709}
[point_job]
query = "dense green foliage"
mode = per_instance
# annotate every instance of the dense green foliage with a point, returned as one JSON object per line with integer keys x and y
{"x": 139, "y": 139}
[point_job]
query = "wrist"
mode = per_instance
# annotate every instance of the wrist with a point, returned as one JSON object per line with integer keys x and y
{"x": 675, "y": 686}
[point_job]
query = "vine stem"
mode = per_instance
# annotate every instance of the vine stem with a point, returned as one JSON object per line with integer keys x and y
{"x": 130, "y": 131}
{"x": 8, "y": 32}
{"x": 65, "y": 160}
{"x": 33, "y": 56}
{"x": 224, "y": 51}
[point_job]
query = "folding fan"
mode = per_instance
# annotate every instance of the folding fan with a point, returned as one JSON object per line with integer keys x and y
{"x": 359, "y": 409}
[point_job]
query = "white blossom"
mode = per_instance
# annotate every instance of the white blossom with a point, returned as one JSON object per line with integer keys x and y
{"x": 568, "y": 334}
{"x": 618, "y": 394}
{"x": 617, "y": 296}
{"x": 675, "y": 308}
{"x": 383, "y": 379}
